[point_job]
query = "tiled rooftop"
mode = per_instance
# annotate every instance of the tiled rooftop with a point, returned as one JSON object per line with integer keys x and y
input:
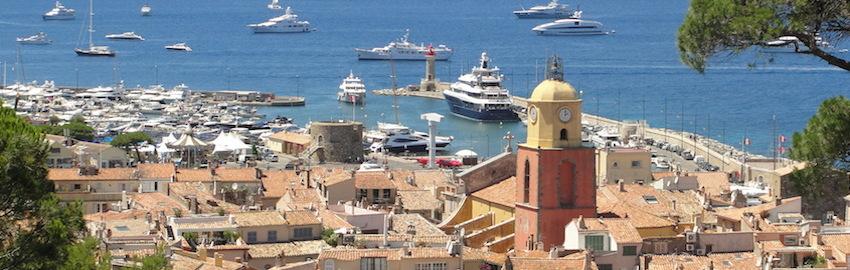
{"x": 503, "y": 193}
{"x": 373, "y": 180}
{"x": 297, "y": 248}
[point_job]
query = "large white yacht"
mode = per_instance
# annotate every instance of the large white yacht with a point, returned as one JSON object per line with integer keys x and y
{"x": 37, "y": 39}
{"x": 403, "y": 49}
{"x": 352, "y": 90}
{"x": 572, "y": 26}
{"x": 125, "y": 36}
{"x": 286, "y": 23}
{"x": 553, "y": 10}
{"x": 92, "y": 49}
{"x": 59, "y": 12}
{"x": 479, "y": 95}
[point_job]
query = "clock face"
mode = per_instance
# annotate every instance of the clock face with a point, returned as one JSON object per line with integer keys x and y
{"x": 565, "y": 114}
{"x": 532, "y": 114}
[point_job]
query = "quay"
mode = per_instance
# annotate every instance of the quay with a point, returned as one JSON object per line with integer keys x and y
{"x": 240, "y": 97}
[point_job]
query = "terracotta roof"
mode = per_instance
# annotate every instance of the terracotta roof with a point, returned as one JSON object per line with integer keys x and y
{"x": 349, "y": 254}
{"x": 401, "y": 223}
{"x": 155, "y": 201}
{"x": 300, "y": 217}
{"x": 503, "y": 193}
{"x": 332, "y": 221}
{"x": 156, "y": 170}
{"x": 297, "y": 138}
{"x": 636, "y": 215}
{"x": 377, "y": 238}
{"x": 297, "y": 248}
{"x": 471, "y": 254}
{"x": 305, "y": 265}
{"x": 301, "y": 198}
{"x": 236, "y": 174}
{"x": 206, "y": 201}
{"x": 276, "y": 182}
{"x": 260, "y": 218}
{"x": 837, "y": 241}
{"x": 653, "y": 201}
{"x": 739, "y": 260}
{"x": 181, "y": 262}
{"x": 419, "y": 200}
{"x": 620, "y": 229}
{"x": 103, "y": 174}
{"x": 194, "y": 175}
{"x": 576, "y": 261}
{"x": 736, "y": 214}
{"x": 373, "y": 180}
{"x": 336, "y": 178}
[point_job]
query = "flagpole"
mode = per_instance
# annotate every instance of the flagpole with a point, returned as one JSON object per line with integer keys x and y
{"x": 773, "y": 140}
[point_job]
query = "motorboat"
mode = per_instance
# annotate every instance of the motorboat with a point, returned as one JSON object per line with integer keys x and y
{"x": 182, "y": 46}
{"x": 479, "y": 95}
{"x": 274, "y": 5}
{"x": 146, "y": 10}
{"x": 571, "y": 26}
{"x": 404, "y": 49}
{"x": 411, "y": 143}
{"x": 553, "y": 10}
{"x": 59, "y": 12}
{"x": 352, "y": 90}
{"x": 790, "y": 44}
{"x": 286, "y": 23}
{"x": 125, "y": 36}
{"x": 92, "y": 49}
{"x": 37, "y": 39}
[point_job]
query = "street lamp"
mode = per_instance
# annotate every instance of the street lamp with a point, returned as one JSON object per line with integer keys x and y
{"x": 433, "y": 119}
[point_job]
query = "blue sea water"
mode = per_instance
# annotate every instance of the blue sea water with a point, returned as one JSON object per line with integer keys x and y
{"x": 631, "y": 74}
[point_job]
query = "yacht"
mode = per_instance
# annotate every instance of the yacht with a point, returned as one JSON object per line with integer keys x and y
{"x": 791, "y": 44}
{"x": 59, "y": 12}
{"x": 286, "y": 23}
{"x": 274, "y": 5}
{"x": 403, "y": 49}
{"x": 37, "y": 39}
{"x": 553, "y": 10}
{"x": 125, "y": 36}
{"x": 413, "y": 143}
{"x": 479, "y": 95}
{"x": 93, "y": 50}
{"x": 572, "y": 26}
{"x": 179, "y": 47}
{"x": 352, "y": 90}
{"x": 146, "y": 10}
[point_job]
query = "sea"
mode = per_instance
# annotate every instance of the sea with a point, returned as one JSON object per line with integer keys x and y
{"x": 632, "y": 74}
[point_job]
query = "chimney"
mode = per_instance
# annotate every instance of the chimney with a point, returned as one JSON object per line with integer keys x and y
{"x": 621, "y": 184}
{"x": 553, "y": 253}
{"x": 673, "y": 205}
{"x": 698, "y": 223}
{"x": 219, "y": 259}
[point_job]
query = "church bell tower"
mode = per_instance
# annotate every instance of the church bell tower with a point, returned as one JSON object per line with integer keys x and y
{"x": 555, "y": 171}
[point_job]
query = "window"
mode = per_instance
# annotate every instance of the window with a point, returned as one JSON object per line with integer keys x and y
{"x": 303, "y": 233}
{"x": 252, "y": 237}
{"x": 564, "y": 134}
{"x": 362, "y": 194}
{"x": 635, "y": 163}
{"x": 650, "y": 199}
{"x": 431, "y": 266}
{"x": 605, "y": 267}
{"x": 123, "y": 187}
{"x": 54, "y": 150}
{"x": 790, "y": 240}
{"x": 373, "y": 263}
{"x": 272, "y": 236}
{"x": 614, "y": 165}
{"x": 629, "y": 250}
{"x": 77, "y": 186}
{"x": 387, "y": 193}
{"x": 527, "y": 181}
{"x": 330, "y": 264}
{"x": 594, "y": 242}
{"x": 376, "y": 193}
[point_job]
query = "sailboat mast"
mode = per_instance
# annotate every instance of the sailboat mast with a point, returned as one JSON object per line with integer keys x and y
{"x": 91, "y": 27}
{"x": 395, "y": 94}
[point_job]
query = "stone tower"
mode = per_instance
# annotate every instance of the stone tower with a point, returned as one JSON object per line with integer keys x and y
{"x": 555, "y": 171}
{"x": 429, "y": 82}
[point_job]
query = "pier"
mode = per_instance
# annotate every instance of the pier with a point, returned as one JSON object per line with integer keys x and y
{"x": 239, "y": 97}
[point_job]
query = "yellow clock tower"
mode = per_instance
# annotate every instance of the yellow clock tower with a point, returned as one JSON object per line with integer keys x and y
{"x": 554, "y": 112}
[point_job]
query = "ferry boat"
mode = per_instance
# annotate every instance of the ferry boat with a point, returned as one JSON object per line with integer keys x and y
{"x": 59, "y": 12}
{"x": 93, "y": 50}
{"x": 553, "y": 10}
{"x": 146, "y": 10}
{"x": 479, "y": 95}
{"x": 403, "y": 49}
{"x": 286, "y": 23}
{"x": 37, "y": 39}
{"x": 572, "y": 26}
{"x": 182, "y": 46}
{"x": 125, "y": 36}
{"x": 352, "y": 90}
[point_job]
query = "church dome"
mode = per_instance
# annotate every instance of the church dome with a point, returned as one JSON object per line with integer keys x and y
{"x": 554, "y": 90}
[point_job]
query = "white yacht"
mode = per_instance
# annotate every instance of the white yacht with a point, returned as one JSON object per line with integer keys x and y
{"x": 93, "y": 50}
{"x": 286, "y": 23}
{"x": 403, "y": 49}
{"x": 572, "y": 26}
{"x": 274, "y": 5}
{"x": 37, "y": 39}
{"x": 479, "y": 95}
{"x": 146, "y": 10}
{"x": 182, "y": 46}
{"x": 125, "y": 36}
{"x": 59, "y": 12}
{"x": 352, "y": 90}
{"x": 553, "y": 10}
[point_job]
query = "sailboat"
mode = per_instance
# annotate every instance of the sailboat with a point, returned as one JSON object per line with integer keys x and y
{"x": 93, "y": 50}
{"x": 275, "y": 4}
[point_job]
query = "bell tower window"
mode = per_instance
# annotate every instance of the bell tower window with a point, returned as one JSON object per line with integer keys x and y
{"x": 526, "y": 182}
{"x": 563, "y": 134}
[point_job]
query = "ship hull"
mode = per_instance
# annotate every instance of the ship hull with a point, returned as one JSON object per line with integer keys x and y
{"x": 466, "y": 110}
{"x": 371, "y": 55}
{"x": 95, "y": 54}
{"x": 357, "y": 99}
{"x": 280, "y": 30}
{"x": 57, "y": 17}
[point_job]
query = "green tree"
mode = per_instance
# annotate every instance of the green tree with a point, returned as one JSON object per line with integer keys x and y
{"x": 330, "y": 237}
{"x": 713, "y": 27}
{"x": 84, "y": 255}
{"x": 824, "y": 147}
{"x": 131, "y": 140}
{"x": 156, "y": 261}
{"x": 77, "y": 129}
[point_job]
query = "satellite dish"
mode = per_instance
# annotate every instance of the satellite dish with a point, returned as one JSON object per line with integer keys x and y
{"x": 234, "y": 186}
